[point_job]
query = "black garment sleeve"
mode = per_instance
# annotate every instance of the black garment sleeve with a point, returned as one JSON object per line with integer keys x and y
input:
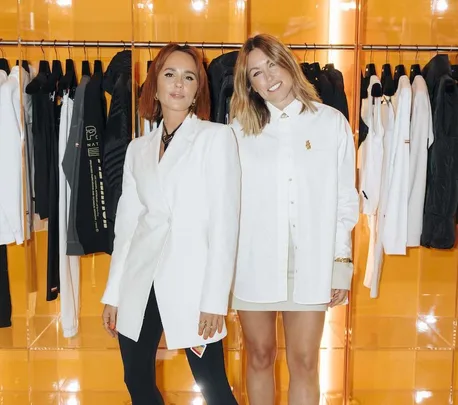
{"x": 5, "y": 296}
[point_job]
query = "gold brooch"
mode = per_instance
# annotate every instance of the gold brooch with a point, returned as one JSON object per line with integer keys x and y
{"x": 307, "y": 145}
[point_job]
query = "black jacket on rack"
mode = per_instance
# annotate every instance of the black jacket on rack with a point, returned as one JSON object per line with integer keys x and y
{"x": 118, "y": 134}
{"x": 45, "y": 124}
{"x": 442, "y": 177}
{"x": 339, "y": 98}
{"x": 91, "y": 223}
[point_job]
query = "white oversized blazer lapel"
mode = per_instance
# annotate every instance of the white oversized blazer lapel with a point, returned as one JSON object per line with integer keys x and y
{"x": 163, "y": 171}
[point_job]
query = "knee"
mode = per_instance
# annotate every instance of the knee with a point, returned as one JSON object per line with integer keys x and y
{"x": 261, "y": 356}
{"x": 304, "y": 364}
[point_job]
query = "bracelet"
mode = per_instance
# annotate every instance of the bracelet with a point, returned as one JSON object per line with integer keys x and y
{"x": 343, "y": 260}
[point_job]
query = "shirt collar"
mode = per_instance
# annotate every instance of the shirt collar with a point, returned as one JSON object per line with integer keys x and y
{"x": 291, "y": 110}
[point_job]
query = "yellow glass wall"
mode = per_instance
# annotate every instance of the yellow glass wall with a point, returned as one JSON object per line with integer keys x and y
{"x": 397, "y": 349}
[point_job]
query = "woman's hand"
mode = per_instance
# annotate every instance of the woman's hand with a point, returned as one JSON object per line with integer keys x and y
{"x": 338, "y": 296}
{"x": 209, "y": 324}
{"x": 109, "y": 315}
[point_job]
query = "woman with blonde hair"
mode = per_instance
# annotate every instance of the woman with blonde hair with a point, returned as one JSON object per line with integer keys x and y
{"x": 299, "y": 206}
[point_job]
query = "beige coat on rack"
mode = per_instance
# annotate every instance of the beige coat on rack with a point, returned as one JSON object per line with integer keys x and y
{"x": 177, "y": 226}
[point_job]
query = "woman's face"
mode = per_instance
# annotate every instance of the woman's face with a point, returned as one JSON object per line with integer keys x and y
{"x": 272, "y": 82}
{"x": 177, "y": 82}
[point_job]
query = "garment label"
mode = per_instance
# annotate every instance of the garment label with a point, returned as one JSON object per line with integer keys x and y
{"x": 199, "y": 350}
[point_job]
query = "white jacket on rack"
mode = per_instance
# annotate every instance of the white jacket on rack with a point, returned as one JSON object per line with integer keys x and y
{"x": 69, "y": 266}
{"x": 371, "y": 155}
{"x": 371, "y": 150}
{"x": 395, "y": 231}
{"x": 421, "y": 138}
{"x": 176, "y": 226}
{"x": 12, "y": 137}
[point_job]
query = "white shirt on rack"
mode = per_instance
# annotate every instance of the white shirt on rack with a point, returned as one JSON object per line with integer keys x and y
{"x": 301, "y": 168}
{"x": 395, "y": 231}
{"x": 11, "y": 142}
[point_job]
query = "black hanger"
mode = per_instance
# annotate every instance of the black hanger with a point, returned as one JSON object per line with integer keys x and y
{"x": 415, "y": 70}
{"x": 24, "y": 64}
{"x": 44, "y": 67}
{"x": 387, "y": 80}
{"x": 57, "y": 68}
{"x": 315, "y": 66}
{"x": 148, "y": 64}
{"x": 4, "y": 65}
{"x": 68, "y": 81}
{"x": 86, "y": 68}
{"x": 376, "y": 90}
{"x": 98, "y": 67}
{"x": 399, "y": 71}
{"x": 56, "y": 73}
{"x": 370, "y": 70}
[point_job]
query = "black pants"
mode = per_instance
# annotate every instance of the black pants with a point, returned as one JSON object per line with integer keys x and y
{"x": 139, "y": 360}
{"x": 5, "y": 298}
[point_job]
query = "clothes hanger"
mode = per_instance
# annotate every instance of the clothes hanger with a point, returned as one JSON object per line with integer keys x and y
{"x": 150, "y": 61}
{"x": 315, "y": 65}
{"x": 98, "y": 66}
{"x": 399, "y": 70}
{"x": 4, "y": 65}
{"x": 85, "y": 66}
{"x": 68, "y": 81}
{"x": 387, "y": 78}
{"x": 415, "y": 69}
{"x": 305, "y": 65}
{"x": 44, "y": 64}
{"x": 370, "y": 68}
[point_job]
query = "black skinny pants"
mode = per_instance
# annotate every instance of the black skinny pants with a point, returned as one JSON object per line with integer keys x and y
{"x": 139, "y": 359}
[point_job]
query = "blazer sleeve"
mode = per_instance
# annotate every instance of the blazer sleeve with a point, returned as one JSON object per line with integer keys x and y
{"x": 223, "y": 184}
{"x": 128, "y": 211}
{"x": 347, "y": 206}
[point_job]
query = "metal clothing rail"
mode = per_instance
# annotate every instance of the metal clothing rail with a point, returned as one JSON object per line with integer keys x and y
{"x": 134, "y": 44}
{"x": 413, "y": 48}
{"x": 226, "y": 45}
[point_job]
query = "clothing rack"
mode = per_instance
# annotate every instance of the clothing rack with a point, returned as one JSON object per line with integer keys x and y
{"x": 413, "y": 48}
{"x": 226, "y": 45}
{"x": 149, "y": 44}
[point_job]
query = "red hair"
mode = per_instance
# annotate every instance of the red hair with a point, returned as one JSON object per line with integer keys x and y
{"x": 150, "y": 108}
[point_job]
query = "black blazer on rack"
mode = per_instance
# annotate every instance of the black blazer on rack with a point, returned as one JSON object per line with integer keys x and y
{"x": 118, "y": 134}
{"x": 442, "y": 177}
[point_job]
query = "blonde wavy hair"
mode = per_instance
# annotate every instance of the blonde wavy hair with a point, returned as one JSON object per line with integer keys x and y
{"x": 247, "y": 106}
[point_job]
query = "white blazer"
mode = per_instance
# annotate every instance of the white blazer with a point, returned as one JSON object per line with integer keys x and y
{"x": 177, "y": 226}
{"x": 301, "y": 166}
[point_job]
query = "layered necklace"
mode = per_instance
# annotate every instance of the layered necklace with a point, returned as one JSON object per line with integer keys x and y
{"x": 166, "y": 137}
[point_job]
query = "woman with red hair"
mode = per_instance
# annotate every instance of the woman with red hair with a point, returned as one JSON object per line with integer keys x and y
{"x": 175, "y": 233}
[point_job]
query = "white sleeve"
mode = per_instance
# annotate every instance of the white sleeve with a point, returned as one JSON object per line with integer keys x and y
{"x": 127, "y": 213}
{"x": 347, "y": 204}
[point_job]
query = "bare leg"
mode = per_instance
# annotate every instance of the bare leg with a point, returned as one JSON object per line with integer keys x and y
{"x": 260, "y": 338}
{"x": 303, "y": 332}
